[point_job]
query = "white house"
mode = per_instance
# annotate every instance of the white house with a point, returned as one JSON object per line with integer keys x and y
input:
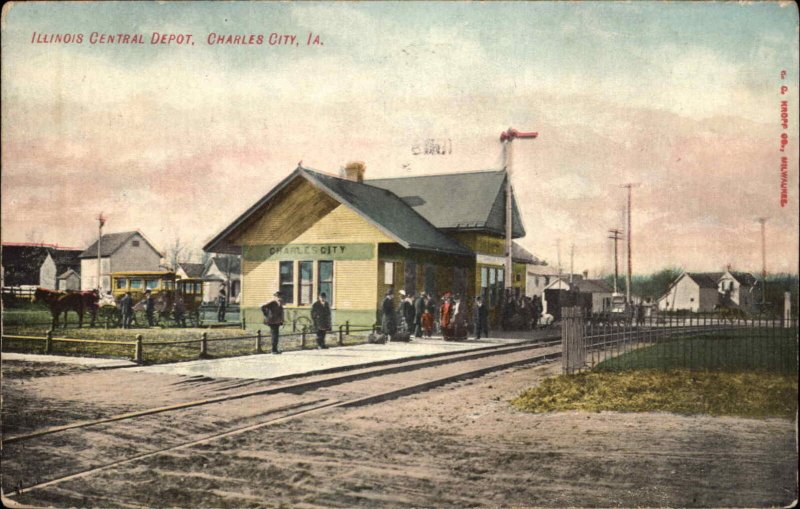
{"x": 69, "y": 280}
{"x": 222, "y": 272}
{"x": 56, "y": 263}
{"x": 119, "y": 252}
{"x": 594, "y": 291}
{"x": 693, "y": 291}
{"x": 740, "y": 290}
{"x": 187, "y": 270}
{"x": 538, "y": 277}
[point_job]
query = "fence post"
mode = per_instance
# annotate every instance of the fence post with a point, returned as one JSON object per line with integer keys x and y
{"x": 787, "y": 309}
{"x": 137, "y": 352}
{"x": 48, "y": 342}
{"x": 204, "y": 345}
{"x": 258, "y": 341}
{"x": 341, "y": 335}
{"x": 244, "y": 323}
{"x": 573, "y": 349}
{"x": 303, "y": 338}
{"x": 347, "y": 327}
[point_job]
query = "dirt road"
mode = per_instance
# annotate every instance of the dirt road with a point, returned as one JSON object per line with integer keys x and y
{"x": 461, "y": 445}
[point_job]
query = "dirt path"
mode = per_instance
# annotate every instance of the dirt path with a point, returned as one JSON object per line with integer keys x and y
{"x": 462, "y": 446}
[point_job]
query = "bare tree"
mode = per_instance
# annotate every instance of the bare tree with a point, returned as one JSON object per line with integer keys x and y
{"x": 174, "y": 251}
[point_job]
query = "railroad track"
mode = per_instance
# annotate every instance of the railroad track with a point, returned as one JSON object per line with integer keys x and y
{"x": 84, "y": 448}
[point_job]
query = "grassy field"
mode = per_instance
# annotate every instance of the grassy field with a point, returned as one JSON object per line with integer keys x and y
{"x": 746, "y": 394}
{"x": 736, "y": 350}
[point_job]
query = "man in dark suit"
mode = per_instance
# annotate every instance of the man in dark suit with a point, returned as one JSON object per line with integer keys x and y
{"x": 481, "y": 318}
{"x": 222, "y": 303}
{"x": 149, "y": 307}
{"x": 321, "y": 316}
{"x": 419, "y": 310}
{"x": 388, "y": 318}
{"x": 273, "y": 317}
{"x": 126, "y": 307}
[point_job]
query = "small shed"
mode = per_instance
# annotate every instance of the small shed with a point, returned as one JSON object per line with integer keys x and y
{"x": 69, "y": 280}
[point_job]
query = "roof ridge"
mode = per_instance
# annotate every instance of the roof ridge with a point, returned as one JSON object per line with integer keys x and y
{"x": 382, "y": 227}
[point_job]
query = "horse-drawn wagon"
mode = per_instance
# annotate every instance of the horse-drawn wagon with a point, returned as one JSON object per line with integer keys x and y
{"x": 176, "y": 300}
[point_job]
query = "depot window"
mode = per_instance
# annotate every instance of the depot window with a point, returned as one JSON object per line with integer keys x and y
{"x": 287, "y": 281}
{"x": 151, "y": 284}
{"x": 136, "y": 284}
{"x": 306, "y": 283}
{"x": 122, "y": 283}
{"x": 325, "y": 281}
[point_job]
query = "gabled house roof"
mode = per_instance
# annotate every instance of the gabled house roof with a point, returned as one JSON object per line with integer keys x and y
{"x": 744, "y": 278}
{"x": 458, "y": 201}
{"x": 192, "y": 269}
{"x": 227, "y": 264}
{"x": 110, "y": 242}
{"x": 378, "y": 206}
{"x": 66, "y": 259}
{"x": 520, "y": 254}
{"x": 68, "y": 273}
{"x": 705, "y": 279}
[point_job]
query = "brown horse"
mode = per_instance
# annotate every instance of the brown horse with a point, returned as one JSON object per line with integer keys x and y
{"x": 62, "y": 302}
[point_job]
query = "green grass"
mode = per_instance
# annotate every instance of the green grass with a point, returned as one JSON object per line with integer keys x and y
{"x": 735, "y": 350}
{"x": 154, "y": 353}
{"x": 746, "y": 394}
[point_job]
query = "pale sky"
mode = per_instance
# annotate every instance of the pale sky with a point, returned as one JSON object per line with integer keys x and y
{"x": 177, "y": 141}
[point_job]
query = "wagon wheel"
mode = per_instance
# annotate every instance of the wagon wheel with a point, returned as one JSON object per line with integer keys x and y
{"x": 300, "y": 322}
{"x": 109, "y": 315}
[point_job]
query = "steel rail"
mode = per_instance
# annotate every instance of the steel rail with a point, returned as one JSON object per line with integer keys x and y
{"x": 323, "y": 405}
{"x": 357, "y": 373}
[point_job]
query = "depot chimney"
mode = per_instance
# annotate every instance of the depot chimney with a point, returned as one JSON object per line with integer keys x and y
{"x": 355, "y": 171}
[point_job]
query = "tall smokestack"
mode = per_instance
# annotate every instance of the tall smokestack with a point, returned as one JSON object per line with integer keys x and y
{"x": 354, "y": 170}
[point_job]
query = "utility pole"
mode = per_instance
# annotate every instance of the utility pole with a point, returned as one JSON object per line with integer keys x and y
{"x": 629, "y": 186}
{"x": 763, "y": 221}
{"x": 558, "y": 256}
{"x": 571, "y": 262}
{"x": 100, "y": 222}
{"x": 506, "y": 137}
{"x": 615, "y": 236}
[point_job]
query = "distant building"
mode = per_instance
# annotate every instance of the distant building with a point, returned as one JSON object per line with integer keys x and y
{"x": 119, "y": 252}
{"x": 56, "y": 263}
{"x": 693, "y": 291}
{"x": 69, "y": 280}
{"x": 222, "y": 272}
{"x": 739, "y": 290}
{"x": 538, "y": 278}
{"x": 593, "y": 295}
{"x": 190, "y": 270}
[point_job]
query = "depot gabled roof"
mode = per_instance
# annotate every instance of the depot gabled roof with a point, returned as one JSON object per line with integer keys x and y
{"x": 458, "y": 201}
{"x": 380, "y": 207}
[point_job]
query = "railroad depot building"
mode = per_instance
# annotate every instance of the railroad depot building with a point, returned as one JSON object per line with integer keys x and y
{"x": 355, "y": 239}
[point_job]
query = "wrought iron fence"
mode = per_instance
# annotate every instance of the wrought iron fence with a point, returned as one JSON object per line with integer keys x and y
{"x": 705, "y": 342}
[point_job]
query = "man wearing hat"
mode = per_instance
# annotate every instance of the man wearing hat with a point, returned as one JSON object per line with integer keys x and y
{"x": 126, "y": 306}
{"x": 273, "y": 317}
{"x": 149, "y": 306}
{"x": 222, "y": 303}
{"x": 419, "y": 310}
{"x": 388, "y": 318}
{"x": 321, "y": 316}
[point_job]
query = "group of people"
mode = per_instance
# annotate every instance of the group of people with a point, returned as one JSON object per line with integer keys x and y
{"x": 417, "y": 316}
{"x": 126, "y": 309}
